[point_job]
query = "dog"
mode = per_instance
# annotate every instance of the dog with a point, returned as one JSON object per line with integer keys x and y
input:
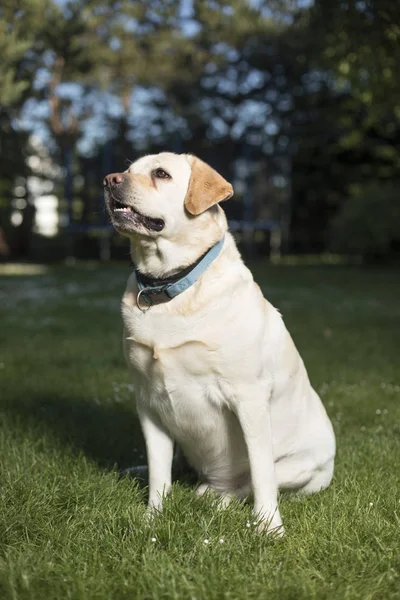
{"x": 217, "y": 369}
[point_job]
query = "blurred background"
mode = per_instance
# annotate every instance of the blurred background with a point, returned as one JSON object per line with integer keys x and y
{"x": 297, "y": 103}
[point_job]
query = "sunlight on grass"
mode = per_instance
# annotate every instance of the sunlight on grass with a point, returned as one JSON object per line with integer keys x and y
{"x": 325, "y": 258}
{"x": 70, "y": 527}
{"x": 22, "y": 269}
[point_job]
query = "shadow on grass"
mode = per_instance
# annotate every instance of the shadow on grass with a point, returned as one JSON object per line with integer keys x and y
{"x": 108, "y": 434}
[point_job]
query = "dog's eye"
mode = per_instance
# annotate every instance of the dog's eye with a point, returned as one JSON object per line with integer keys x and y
{"x": 161, "y": 174}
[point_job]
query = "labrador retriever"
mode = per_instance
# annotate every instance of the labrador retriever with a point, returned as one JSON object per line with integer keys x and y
{"x": 217, "y": 369}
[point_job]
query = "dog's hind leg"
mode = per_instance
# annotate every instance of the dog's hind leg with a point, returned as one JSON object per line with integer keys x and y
{"x": 302, "y": 475}
{"x": 320, "y": 479}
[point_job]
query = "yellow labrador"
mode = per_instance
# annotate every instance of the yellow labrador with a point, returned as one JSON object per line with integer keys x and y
{"x": 218, "y": 371}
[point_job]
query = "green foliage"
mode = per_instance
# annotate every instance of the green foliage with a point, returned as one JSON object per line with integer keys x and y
{"x": 21, "y": 26}
{"x": 368, "y": 223}
{"x": 12, "y": 50}
{"x": 358, "y": 45}
{"x": 360, "y": 42}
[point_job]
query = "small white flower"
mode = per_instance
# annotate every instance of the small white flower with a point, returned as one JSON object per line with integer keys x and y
{"x": 371, "y": 503}
{"x": 247, "y": 524}
{"x": 221, "y": 541}
{"x": 378, "y": 411}
{"x": 153, "y": 539}
{"x": 254, "y": 522}
{"x": 206, "y": 541}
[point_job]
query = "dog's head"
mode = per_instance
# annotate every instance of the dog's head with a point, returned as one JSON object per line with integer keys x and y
{"x": 162, "y": 194}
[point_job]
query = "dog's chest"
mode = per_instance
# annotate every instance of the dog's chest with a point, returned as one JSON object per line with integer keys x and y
{"x": 176, "y": 364}
{"x": 155, "y": 343}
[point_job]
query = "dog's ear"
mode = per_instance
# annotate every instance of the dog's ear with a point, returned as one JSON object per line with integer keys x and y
{"x": 206, "y": 187}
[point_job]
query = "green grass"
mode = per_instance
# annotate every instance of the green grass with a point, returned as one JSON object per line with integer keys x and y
{"x": 70, "y": 528}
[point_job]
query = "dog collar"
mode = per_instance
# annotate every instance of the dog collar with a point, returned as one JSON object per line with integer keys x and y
{"x": 153, "y": 291}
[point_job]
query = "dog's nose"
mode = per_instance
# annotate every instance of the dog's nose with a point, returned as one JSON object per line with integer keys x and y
{"x": 113, "y": 179}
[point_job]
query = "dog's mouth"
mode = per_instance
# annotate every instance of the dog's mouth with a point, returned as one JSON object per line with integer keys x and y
{"x": 126, "y": 218}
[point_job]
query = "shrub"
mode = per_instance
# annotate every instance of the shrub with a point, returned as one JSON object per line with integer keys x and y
{"x": 368, "y": 223}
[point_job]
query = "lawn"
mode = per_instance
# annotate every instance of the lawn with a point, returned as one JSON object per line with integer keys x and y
{"x": 71, "y": 528}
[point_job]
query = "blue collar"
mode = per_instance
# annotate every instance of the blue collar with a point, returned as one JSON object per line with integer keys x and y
{"x": 150, "y": 294}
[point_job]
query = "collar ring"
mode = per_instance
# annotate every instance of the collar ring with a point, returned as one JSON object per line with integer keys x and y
{"x": 143, "y": 308}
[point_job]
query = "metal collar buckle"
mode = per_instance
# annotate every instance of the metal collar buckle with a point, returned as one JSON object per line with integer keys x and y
{"x": 149, "y": 303}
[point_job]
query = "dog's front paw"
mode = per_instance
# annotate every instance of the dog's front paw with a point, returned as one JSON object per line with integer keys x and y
{"x": 153, "y": 510}
{"x": 271, "y": 525}
{"x": 270, "y": 528}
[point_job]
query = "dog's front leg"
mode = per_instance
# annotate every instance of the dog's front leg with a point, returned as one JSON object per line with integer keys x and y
{"x": 159, "y": 448}
{"x": 252, "y": 409}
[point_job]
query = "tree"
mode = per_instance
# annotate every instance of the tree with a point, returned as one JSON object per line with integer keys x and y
{"x": 20, "y": 30}
{"x": 360, "y": 44}
{"x": 356, "y": 45}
